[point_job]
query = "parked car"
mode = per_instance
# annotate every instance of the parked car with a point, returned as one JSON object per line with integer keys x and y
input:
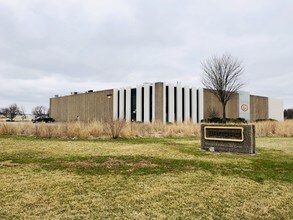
{"x": 46, "y": 119}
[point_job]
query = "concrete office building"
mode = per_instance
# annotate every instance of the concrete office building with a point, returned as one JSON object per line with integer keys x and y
{"x": 163, "y": 102}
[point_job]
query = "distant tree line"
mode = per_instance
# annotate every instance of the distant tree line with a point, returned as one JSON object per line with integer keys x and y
{"x": 288, "y": 113}
{"x": 14, "y": 110}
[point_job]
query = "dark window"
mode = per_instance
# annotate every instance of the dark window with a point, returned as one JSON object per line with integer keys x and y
{"x": 167, "y": 103}
{"x": 190, "y": 103}
{"x": 133, "y": 104}
{"x": 197, "y": 102}
{"x": 175, "y": 103}
{"x": 183, "y": 103}
{"x": 118, "y": 103}
{"x": 151, "y": 103}
{"x": 124, "y": 107}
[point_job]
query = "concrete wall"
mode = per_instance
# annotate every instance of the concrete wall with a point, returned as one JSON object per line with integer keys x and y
{"x": 88, "y": 106}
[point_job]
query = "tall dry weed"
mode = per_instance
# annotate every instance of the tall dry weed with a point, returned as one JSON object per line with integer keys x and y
{"x": 274, "y": 129}
{"x": 98, "y": 129}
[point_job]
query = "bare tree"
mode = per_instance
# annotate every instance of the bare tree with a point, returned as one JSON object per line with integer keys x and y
{"x": 222, "y": 75}
{"x": 11, "y": 111}
{"x": 39, "y": 110}
{"x": 114, "y": 127}
{"x": 22, "y": 110}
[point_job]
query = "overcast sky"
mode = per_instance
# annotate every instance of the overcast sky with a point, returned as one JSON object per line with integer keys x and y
{"x": 56, "y": 47}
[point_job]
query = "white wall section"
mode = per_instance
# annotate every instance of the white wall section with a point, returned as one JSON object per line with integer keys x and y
{"x": 115, "y": 104}
{"x": 201, "y": 104}
{"x": 244, "y": 105}
{"x": 276, "y": 109}
{"x": 194, "y": 105}
{"x": 179, "y": 103}
{"x": 186, "y": 104}
{"x": 171, "y": 103}
{"x": 121, "y": 103}
{"x": 146, "y": 101}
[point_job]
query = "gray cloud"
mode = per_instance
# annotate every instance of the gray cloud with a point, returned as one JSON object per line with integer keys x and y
{"x": 55, "y": 47}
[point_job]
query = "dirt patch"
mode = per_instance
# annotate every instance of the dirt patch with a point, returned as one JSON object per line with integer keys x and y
{"x": 108, "y": 164}
{"x": 8, "y": 163}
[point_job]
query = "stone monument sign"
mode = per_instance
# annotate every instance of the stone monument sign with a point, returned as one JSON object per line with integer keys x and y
{"x": 228, "y": 138}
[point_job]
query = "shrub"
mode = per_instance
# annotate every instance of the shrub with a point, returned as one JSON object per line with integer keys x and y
{"x": 222, "y": 121}
{"x": 263, "y": 120}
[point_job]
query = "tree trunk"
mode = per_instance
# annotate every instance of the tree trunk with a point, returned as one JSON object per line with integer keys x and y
{"x": 224, "y": 112}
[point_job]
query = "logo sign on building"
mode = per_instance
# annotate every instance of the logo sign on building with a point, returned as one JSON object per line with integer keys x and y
{"x": 244, "y": 105}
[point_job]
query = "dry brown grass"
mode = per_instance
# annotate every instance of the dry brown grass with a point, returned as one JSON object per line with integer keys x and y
{"x": 35, "y": 185}
{"x": 131, "y": 130}
{"x": 274, "y": 129}
{"x": 98, "y": 130}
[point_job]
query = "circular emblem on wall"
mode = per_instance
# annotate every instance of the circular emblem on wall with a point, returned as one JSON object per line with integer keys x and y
{"x": 244, "y": 107}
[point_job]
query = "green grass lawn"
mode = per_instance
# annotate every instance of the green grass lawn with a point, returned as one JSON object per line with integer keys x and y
{"x": 143, "y": 179}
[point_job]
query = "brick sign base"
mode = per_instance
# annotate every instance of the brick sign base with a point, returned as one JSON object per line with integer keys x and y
{"x": 228, "y": 138}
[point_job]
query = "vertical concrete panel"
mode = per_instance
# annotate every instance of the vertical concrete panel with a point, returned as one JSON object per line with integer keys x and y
{"x": 160, "y": 102}
{"x": 259, "y": 108}
{"x": 82, "y": 107}
{"x": 244, "y": 105}
{"x": 186, "y": 104}
{"x": 194, "y": 105}
{"x": 276, "y": 109}
{"x": 200, "y": 104}
{"x": 139, "y": 103}
{"x": 146, "y": 100}
{"x": 78, "y": 102}
{"x": 105, "y": 105}
{"x": 212, "y": 105}
{"x": 179, "y": 102}
{"x": 64, "y": 108}
{"x": 232, "y": 109}
{"x": 53, "y": 109}
{"x": 121, "y": 104}
{"x": 171, "y": 103}
{"x": 128, "y": 104}
{"x": 115, "y": 104}
{"x": 91, "y": 107}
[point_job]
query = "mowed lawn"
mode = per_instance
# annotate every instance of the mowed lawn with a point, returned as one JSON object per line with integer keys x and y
{"x": 143, "y": 179}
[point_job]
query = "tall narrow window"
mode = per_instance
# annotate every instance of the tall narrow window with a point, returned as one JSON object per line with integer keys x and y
{"x": 197, "y": 106}
{"x": 190, "y": 103}
{"x": 124, "y": 104}
{"x": 183, "y": 105}
{"x": 151, "y": 103}
{"x": 133, "y": 104}
{"x": 118, "y": 104}
{"x": 175, "y": 103}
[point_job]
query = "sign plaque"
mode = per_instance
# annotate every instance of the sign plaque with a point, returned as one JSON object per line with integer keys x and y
{"x": 224, "y": 133}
